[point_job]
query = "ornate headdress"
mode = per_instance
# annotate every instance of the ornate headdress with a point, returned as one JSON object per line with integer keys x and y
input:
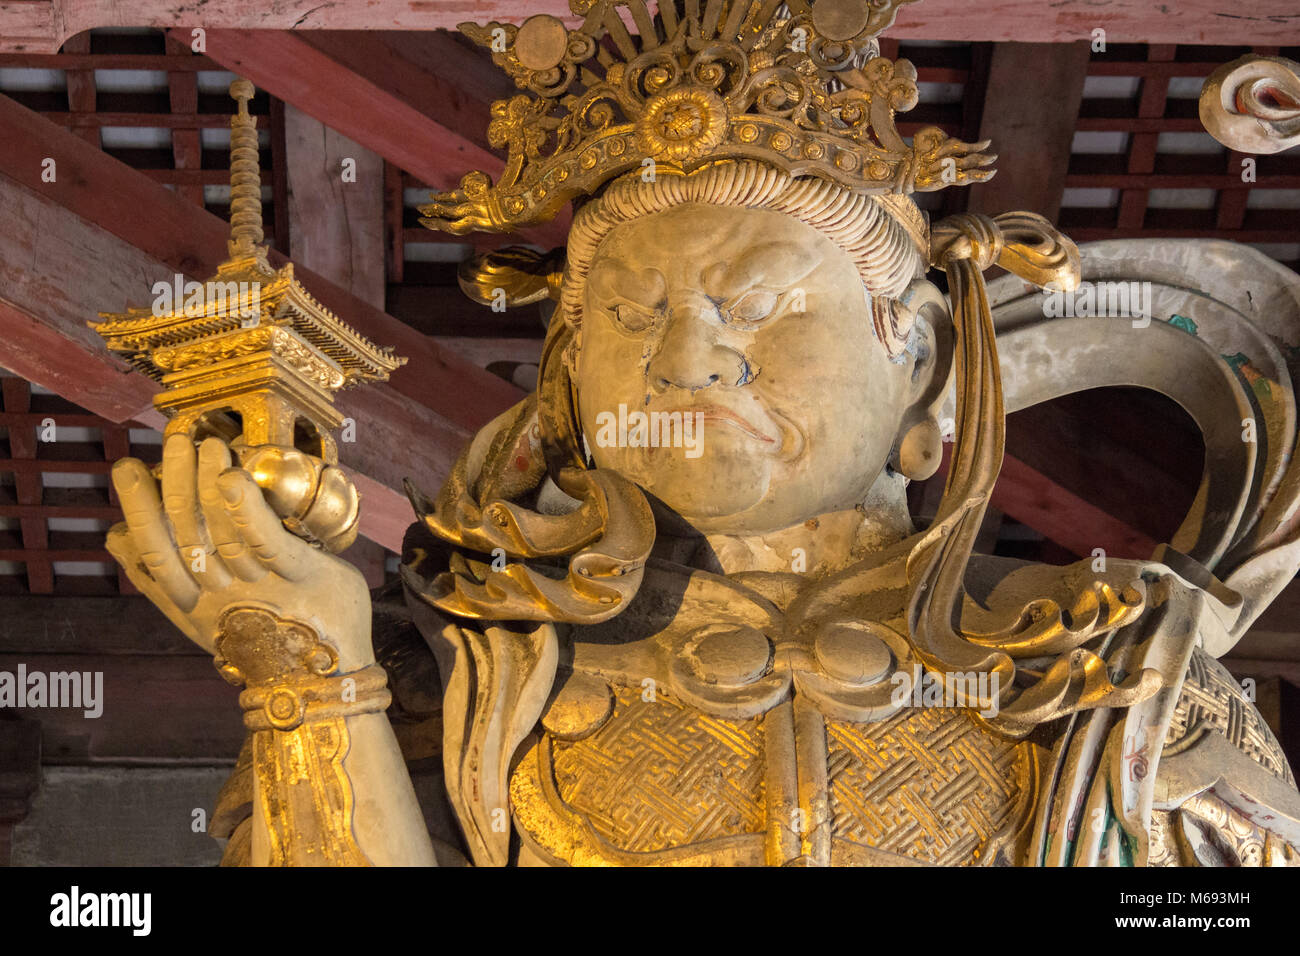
{"x": 799, "y": 86}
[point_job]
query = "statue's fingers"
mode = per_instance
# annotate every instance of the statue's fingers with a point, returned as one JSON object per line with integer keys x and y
{"x": 214, "y": 458}
{"x": 120, "y": 546}
{"x": 181, "y": 499}
{"x": 153, "y": 541}
{"x": 276, "y": 548}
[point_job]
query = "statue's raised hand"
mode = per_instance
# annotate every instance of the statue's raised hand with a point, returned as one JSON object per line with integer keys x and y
{"x": 209, "y": 541}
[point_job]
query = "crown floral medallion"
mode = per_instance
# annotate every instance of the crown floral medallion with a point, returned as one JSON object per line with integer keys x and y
{"x": 799, "y": 85}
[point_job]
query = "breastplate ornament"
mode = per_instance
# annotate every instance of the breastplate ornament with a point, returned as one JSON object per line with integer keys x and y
{"x": 660, "y": 782}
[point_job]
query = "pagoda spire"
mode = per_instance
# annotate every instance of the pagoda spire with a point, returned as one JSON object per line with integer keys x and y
{"x": 246, "y": 234}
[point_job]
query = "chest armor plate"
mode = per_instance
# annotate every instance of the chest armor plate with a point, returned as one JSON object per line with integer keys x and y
{"x": 661, "y": 782}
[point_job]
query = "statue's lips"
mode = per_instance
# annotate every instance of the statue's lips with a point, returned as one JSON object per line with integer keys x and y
{"x": 719, "y": 413}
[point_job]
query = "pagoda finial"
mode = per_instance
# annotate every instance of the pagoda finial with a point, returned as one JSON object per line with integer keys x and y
{"x": 245, "y": 176}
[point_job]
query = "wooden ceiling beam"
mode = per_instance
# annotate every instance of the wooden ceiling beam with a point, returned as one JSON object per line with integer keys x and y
{"x": 288, "y": 67}
{"x": 1030, "y": 107}
{"x": 27, "y": 487}
{"x": 187, "y": 144}
{"x": 336, "y": 222}
{"x": 46, "y": 294}
{"x": 1033, "y": 499}
{"x": 359, "y": 98}
{"x": 148, "y": 216}
{"x": 81, "y": 91}
{"x": 452, "y": 84}
{"x": 69, "y": 59}
{"x": 1036, "y": 500}
{"x": 101, "y": 234}
{"x": 41, "y": 26}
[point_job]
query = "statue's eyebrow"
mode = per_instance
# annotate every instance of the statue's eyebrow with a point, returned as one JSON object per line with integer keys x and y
{"x": 613, "y": 280}
{"x": 774, "y": 265}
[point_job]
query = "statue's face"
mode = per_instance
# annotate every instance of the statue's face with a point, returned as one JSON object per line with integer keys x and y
{"x": 756, "y": 325}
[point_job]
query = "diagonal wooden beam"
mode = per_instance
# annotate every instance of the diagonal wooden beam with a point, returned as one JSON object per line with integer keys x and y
{"x": 289, "y": 67}
{"x": 356, "y": 96}
{"x": 1033, "y": 499}
{"x": 451, "y": 83}
{"x": 47, "y": 291}
{"x": 101, "y": 234}
{"x": 1027, "y": 495}
{"x": 150, "y": 217}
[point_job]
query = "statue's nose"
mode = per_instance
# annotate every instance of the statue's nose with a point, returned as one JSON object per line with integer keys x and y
{"x": 692, "y": 353}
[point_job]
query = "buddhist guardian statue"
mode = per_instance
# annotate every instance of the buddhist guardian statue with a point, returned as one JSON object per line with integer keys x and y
{"x": 673, "y": 602}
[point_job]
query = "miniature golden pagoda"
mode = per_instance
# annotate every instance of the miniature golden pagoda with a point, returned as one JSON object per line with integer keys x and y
{"x": 249, "y": 351}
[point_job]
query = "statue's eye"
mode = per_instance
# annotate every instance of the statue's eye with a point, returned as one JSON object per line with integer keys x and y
{"x": 753, "y": 306}
{"x": 633, "y": 317}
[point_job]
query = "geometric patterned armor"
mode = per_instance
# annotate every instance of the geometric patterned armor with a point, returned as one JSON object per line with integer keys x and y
{"x": 662, "y": 782}
{"x": 656, "y": 781}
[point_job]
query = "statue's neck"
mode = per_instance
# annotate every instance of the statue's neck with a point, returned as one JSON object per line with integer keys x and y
{"x": 818, "y": 546}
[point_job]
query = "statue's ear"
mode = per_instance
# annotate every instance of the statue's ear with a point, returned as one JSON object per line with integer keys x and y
{"x": 512, "y": 276}
{"x": 929, "y": 358}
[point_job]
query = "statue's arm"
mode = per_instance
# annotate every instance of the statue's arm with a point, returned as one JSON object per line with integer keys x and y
{"x": 255, "y": 811}
{"x": 330, "y": 785}
{"x": 291, "y": 624}
{"x": 415, "y": 716}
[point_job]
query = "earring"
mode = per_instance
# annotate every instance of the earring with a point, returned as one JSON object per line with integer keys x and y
{"x": 921, "y": 450}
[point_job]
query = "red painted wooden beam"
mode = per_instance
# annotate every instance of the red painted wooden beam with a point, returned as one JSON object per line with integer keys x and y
{"x": 128, "y": 204}
{"x": 289, "y": 67}
{"x": 101, "y": 234}
{"x": 451, "y": 83}
{"x": 46, "y": 293}
{"x": 1035, "y": 500}
{"x": 40, "y": 26}
{"x": 357, "y": 98}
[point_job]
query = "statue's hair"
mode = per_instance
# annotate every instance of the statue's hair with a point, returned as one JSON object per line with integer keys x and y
{"x": 884, "y": 237}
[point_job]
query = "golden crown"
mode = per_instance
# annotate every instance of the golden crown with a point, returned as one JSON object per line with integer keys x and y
{"x": 798, "y": 84}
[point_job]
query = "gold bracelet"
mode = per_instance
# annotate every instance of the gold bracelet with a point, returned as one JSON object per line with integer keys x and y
{"x": 287, "y": 705}
{"x": 290, "y": 673}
